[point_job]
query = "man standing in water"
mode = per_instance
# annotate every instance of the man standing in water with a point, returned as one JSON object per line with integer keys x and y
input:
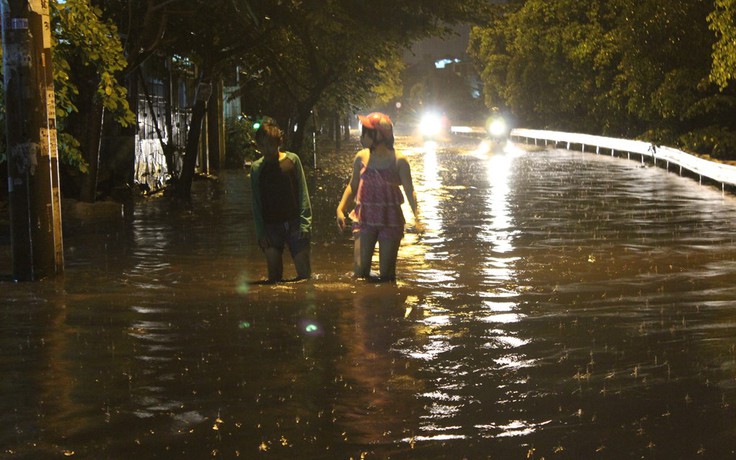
{"x": 282, "y": 211}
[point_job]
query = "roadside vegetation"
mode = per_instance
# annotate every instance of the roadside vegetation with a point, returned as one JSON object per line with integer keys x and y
{"x": 640, "y": 69}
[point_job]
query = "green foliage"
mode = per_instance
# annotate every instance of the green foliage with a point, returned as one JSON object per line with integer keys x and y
{"x": 630, "y": 68}
{"x": 80, "y": 35}
{"x": 337, "y": 54}
{"x": 70, "y": 154}
{"x": 83, "y": 36}
{"x": 389, "y": 84}
{"x": 722, "y": 20}
{"x": 240, "y": 147}
{"x": 720, "y": 142}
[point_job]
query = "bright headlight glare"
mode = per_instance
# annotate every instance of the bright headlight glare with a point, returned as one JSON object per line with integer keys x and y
{"x": 430, "y": 124}
{"x": 497, "y": 127}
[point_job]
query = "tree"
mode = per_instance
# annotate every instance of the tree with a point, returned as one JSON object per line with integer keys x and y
{"x": 223, "y": 35}
{"x": 632, "y": 68}
{"x": 318, "y": 49}
{"x": 723, "y": 21}
{"x": 89, "y": 56}
{"x": 209, "y": 35}
{"x": 549, "y": 62}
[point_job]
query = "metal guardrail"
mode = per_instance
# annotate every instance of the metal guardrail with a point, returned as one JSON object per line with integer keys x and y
{"x": 660, "y": 155}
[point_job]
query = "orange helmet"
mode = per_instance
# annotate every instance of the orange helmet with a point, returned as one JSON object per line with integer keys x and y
{"x": 380, "y": 122}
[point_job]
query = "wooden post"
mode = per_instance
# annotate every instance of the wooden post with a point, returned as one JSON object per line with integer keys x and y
{"x": 33, "y": 169}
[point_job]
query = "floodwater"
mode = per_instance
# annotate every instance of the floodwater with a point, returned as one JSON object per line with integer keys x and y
{"x": 559, "y": 305}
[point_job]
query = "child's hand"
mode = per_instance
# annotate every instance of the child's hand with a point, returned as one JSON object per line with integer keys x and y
{"x": 341, "y": 221}
{"x": 263, "y": 243}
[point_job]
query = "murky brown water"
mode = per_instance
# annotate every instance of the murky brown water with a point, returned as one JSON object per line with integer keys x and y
{"x": 560, "y": 305}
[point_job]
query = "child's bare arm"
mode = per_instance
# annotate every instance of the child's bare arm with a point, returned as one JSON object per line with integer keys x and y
{"x": 348, "y": 195}
{"x": 408, "y": 185}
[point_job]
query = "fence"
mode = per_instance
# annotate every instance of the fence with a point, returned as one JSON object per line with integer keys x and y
{"x": 666, "y": 157}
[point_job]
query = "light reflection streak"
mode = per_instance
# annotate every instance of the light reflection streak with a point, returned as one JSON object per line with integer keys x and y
{"x": 513, "y": 362}
{"x": 438, "y": 344}
{"x": 505, "y": 318}
{"x": 509, "y": 342}
{"x": 498, "y": 230}
{"x": 151, "y": 338}
{"x": 499, "y": 306}
{"x": 428, "y": 186}
{"x": 442, "y": 411}
{"x": 512, "y": 429}
{"x": 439, "y": 437}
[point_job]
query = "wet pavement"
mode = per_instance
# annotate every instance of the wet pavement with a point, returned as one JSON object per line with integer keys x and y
{"x": 559, "y": 305}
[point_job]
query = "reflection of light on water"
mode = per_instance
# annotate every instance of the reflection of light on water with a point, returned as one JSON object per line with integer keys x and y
{"x": 440, "y": 396}
{"x": 438, "y": 437}
{"x": 499, "y": 306}
{"x": 154, "y": 339}
{"x": 510, "y": 342}
{"x": 442, "y": 411}
{"x": 514, "y": 362}
{"x": 497, "y": 231}
{"x": 430, "y": 146}
{"x": 515, "y": 428}
{"x": 436, "y": 276}
{"x": 437, "y": 345}
{"x": 150, "y": 243}
{"x": 497, "y": 269}
{"x": 428, "y": 188}
{"x": 439, "y": 320}
{"x": 484, "y": 148}
{"x": 505, "y": 318}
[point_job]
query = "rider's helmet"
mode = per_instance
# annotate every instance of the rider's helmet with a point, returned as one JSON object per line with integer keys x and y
{"x": 379, "y": 122}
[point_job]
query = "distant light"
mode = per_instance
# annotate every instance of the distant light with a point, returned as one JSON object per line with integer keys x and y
{"x": 310, "y": 327}
{"x": 442, "y": 63}
{"x": 430, "y": 125}
{"x": 243, "y": 285}
{"x": 497, "y": 127}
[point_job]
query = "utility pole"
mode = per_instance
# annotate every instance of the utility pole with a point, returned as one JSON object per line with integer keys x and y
{"x": 32, "y": 154}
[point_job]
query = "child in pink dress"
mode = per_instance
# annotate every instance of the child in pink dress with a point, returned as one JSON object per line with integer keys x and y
{"x": 379, "y": 172}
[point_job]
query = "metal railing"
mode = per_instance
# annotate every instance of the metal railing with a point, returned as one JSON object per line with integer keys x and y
{"x": 667, "y": 157}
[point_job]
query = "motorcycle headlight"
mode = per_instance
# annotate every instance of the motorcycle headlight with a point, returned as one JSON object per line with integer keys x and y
{"x": 497, "y": 127}
{"x": 430, "y": 125}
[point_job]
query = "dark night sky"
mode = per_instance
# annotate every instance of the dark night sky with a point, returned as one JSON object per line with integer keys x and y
{"x": 437, "y": 48}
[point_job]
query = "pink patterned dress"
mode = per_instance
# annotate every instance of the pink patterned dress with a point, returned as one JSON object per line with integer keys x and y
{"x": 378, "y": 203}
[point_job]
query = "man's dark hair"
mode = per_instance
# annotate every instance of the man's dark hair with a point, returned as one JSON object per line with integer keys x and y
{"x": 269, "y": 130}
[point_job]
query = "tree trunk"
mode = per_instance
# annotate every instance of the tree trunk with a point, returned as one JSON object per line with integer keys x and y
{"x": 183, "y": 189}
{"x": 346, "y": 122}
{"x": 337, "y": 130}
{"x": 215, "y": 129}
{"x": 297, "y": 140}
{"x": 91, "y": 149}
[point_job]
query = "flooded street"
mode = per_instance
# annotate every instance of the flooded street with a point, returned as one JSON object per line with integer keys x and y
{"x": 559, "y": 305}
